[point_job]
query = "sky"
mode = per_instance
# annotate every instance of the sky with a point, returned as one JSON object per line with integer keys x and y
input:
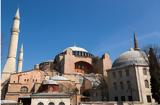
{"x": 49, "y": 26}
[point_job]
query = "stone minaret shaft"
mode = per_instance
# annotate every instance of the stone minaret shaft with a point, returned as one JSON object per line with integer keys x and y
{"x": 20, "y": 59}
{"x": 10, "y": 66}
{"x": 135, "y": 43}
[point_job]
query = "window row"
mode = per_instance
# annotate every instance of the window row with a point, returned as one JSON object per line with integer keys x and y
{"x": 127, "y": 73}
{"x": 34, "y": 80}
{"x": 80, "y": 53}
{"x": 120, "y": 73}
{"x": 130, "y": 98}
{"x": 128, "y": 83}
{"x": 51, "y": 103}
{"x": 121, "y": 84}
{"x": 79, "y": 66}
{"x": 123, "y": 98}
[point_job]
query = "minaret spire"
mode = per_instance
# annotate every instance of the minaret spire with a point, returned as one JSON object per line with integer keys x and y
{"x": 17, "y": 14}
{"x": 10, "y": 66}
{"x": 135, "y": 42}
{"x": 20, "y": 59}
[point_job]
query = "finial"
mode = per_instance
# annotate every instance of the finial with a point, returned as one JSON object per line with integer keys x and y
{"x": 17, "y": 16}
{"x": 135, "y": 42}
{"x": 74, "y": 44}
{"x": 131, "y": 49}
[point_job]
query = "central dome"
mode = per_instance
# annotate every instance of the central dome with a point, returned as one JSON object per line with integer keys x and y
{"x": 75, "y": 48}
{"x": 132, "y": 57}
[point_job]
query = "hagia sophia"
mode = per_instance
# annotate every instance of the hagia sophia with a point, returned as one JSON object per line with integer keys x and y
{"x": 76, "y": 77}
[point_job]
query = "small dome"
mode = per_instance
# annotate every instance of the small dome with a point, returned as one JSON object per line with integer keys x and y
{"x": 75, "y": 48}
{"x": 131, "y": 57}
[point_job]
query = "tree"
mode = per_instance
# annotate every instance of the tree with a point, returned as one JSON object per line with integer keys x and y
{"x": 153, "y": 53}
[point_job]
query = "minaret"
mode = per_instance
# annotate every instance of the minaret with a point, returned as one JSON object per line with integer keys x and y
{"x": 10, "y": 66}
{"x": 20, "y": 59}
{"x": 135, "y": 42}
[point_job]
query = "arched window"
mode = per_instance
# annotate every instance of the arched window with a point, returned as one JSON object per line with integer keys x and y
{"x": 61, "y": 103}
{"x": 115, "y": 85}
{"x": 51, "y": 103}
{"x": 81, "y": 53}
{"x": 121, "y": 85}
{"x": 129, "y": 84}
{"x": 40, "y": 103}
{"x": 76, "y": 53}
{"x": 24, "y": 89}
{"x": 146, "y": 83}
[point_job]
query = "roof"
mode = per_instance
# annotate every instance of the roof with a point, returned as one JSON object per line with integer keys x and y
{"x": 8, "y": 102}
{"x": 49, "y": 82}
{"x": 75, "y": 48}
{"x": 59, "y": 78}
{"x": 132, "y": 57}
{"x": 53, "y": 95}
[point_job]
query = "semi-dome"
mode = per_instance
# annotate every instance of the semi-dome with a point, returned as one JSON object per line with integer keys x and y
{"x": 75, "y": 48}
{"x": 132, "y": 57}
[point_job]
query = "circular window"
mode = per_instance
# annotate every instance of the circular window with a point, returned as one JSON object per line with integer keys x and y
{"x": 24, "y": 89}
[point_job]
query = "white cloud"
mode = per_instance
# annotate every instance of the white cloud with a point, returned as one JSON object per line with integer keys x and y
{"x": 150, "y": 35}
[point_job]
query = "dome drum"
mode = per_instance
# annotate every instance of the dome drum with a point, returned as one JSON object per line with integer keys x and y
{"x": 78, "y": 51}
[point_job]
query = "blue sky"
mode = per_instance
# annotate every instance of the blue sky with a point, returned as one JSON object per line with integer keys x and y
{"x": 49, "y": 26}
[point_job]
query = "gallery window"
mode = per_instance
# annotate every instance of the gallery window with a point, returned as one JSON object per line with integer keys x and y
{"x": 81, "y": 53}
{"x": 24, "y": 89}
{"x": 51, "y": 103}
{"x": 61, "y": 103}
{"x": 40, "y": 103}
{"x": 146, "y": 83}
